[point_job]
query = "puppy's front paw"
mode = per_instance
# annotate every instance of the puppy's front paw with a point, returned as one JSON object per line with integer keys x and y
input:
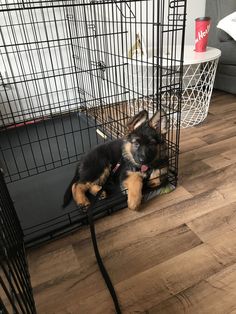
{"x": 134, "y": 203}
{"x": 133, "y": 183}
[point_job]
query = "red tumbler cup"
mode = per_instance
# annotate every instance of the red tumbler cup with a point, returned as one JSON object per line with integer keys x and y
{"x": 201, "y": 33}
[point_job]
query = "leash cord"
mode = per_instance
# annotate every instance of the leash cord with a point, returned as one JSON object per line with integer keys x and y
{"x": 102, "y": 268}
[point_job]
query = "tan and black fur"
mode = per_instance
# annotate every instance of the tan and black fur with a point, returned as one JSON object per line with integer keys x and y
{"x": 143, "y": 147}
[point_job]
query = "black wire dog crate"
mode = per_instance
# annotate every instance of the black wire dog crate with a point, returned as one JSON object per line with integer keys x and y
{"x": 72, "y": 73}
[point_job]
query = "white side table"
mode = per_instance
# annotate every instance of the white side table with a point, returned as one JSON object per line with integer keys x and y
{"x": 198, "y": 80}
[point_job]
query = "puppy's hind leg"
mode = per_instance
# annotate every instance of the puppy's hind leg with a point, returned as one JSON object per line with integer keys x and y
{"x": 96, "y": 186}
{"x": 79, "y": 193}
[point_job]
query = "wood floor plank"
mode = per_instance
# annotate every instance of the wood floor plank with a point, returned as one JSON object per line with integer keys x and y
{"x": 48, "y": 267}
{"x": 219, "y": 161}
{"x": 193, "y": 170}
{"x": 209, "y": 150}
{"x": 216, "y": 294}
{"x": 231, "y": 154}
{"x": 227, "y": 107}
{"x": 191, "y": 144}
{"x": 217, "y": 179}
{"x": 225, "y": 133}
{"x": 214, "y": 224}
{"x": 209, "y": 126}
{"x": 203, "y": 129}
{"x": 158, "y": 283}
{"x": 218, "y": 230}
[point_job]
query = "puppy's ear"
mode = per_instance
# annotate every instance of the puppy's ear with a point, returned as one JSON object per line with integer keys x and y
{"x": 137, "y": 120}
{"x": 159, "y": 122}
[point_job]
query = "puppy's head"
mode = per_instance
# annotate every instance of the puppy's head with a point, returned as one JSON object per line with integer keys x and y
{"x": 145, "y": 138}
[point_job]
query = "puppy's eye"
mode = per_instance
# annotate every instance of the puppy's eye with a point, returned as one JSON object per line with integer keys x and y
{"x": 135, "y": 143}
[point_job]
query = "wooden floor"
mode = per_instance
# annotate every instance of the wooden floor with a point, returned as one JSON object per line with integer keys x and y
{"x": 178, "y": 255}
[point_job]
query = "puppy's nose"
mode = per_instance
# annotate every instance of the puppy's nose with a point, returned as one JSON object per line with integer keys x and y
{"x": 141, "y": 159}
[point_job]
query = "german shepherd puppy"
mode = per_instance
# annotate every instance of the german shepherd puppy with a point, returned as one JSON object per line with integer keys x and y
{"x": 141, "y": 156}
{"x": 144, "y": 154}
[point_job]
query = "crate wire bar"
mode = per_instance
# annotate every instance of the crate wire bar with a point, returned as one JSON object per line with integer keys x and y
{"x": 71, "y": 75}
{"x": 16, "y": 290}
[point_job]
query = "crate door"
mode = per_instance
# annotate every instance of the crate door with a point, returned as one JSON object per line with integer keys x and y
{"x": 82, "y": 33}
{"x": 99, "y": 52}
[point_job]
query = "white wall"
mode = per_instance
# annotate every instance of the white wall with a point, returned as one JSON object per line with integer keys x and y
{"x": 195, "y": 8}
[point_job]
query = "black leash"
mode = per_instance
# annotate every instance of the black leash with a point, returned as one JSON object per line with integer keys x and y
{"x": 95, "y": 246}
